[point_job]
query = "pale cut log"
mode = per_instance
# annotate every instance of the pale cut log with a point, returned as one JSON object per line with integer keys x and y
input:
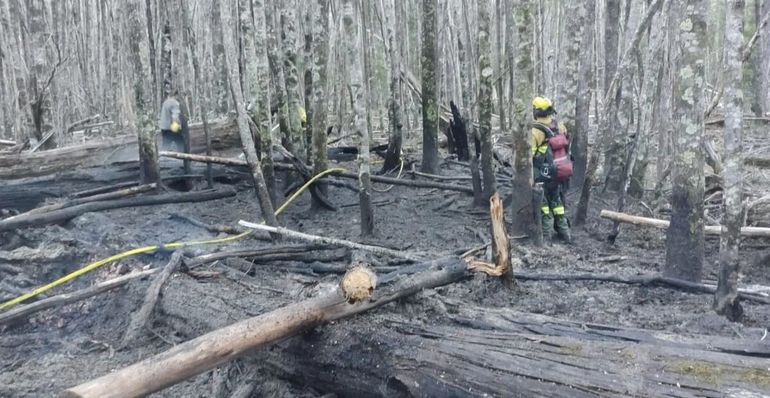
{"x": 74, "y": 211}
{"x": 346, "y": 174}
{"x": 7, "y": 142}
{"x": 122, "y": 193}
{"x": 714, "y": 230}
{"x": 66, "y": 298}
{"x": 141, "y": 317}
{"x": 223, "y": 345}
{"x": 330, "y": 241}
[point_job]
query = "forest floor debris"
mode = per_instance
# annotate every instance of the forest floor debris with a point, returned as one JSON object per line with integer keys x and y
{"x": 59, "y": 348}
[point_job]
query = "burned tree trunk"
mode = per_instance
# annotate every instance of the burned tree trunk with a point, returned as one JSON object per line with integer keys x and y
{"x": 726, "y": 299}
{"x": 395, "y": 138}
{"x": 247, "y": 141}
{"x": 289, "y": 29}
{"x": 459, "y": 134}
{"x": 263, "y": 116}
{"x": 579, "y": 132}
{"x": 684, "y": 244}
{"x": 429, "y": 96}
{"x": 485, "y": 103}
{"x": 358, "y": 94}
{"x": 320, "y": 68}
{"x": 522, "y": 211}
{"x": 149, "y": 170}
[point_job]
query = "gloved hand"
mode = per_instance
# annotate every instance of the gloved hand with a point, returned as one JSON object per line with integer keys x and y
{"x": 175, "y": 127}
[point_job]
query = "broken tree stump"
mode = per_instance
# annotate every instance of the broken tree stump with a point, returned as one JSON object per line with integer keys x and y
{"x": 714, "y": 230}
{"x": 223, "y": 345}
{"x": 34, "y": 220}
{"x": 141, "y": 318}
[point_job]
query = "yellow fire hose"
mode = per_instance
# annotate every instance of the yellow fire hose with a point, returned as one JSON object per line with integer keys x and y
{"x": 150, "y": 249}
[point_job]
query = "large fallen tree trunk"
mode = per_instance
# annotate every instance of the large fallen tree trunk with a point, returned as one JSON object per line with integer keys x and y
{"x": 476, "y": 350}
{"x": 224, "y": 135}
{"x": 223, "y": 345}
{"x": 754, "y": 232}
{"x": 67, "y": 213}
{"x": 484, "y": 352}
{"x": 347, "y": 174}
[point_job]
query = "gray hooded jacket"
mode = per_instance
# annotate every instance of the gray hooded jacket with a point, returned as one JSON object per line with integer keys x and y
{"x": 169, "y": 112}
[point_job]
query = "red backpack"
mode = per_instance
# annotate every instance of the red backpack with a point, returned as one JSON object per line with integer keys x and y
{"x": 559, "y": 146}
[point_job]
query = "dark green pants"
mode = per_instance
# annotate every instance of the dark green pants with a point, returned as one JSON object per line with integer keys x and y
{"x": 553, "y": 211}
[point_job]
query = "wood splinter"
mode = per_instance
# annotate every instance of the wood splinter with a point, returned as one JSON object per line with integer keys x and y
{"x": 359, "y": 283}
{"x": 500, "y": 244}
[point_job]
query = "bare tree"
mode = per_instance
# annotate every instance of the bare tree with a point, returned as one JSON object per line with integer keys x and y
{"x": 579, "y": 134}
{"x": 485, "y": 103}
{"x": 395, "y": 43}
{"x": 357, "y": 88}
{"x": 247, "y": 141}
{"x": 523, "y": 213}
{"x": 257, "y": 75}
{"x": 684, "y": 244}
{"x": 320, "y": 70}
{"x": 429, "y": 95}
{"x": 290, "y": 40}
{"x": 726, "y": 299}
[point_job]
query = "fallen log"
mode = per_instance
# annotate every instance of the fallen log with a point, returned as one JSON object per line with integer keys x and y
{"x": 757, "y": 162}
{"x": 484, "y": 352}
{"x": 7, "y": 142}
{"x": 141, "y": 317}
{"x": 643, "y": 280}
{"x": 122, "y": 193}
{"x": 347, "y": 174}
{"x": 67, "y": 213}
{"x": 66, "y": 298}
{"x": 12, "y": 166}
{"x": 263, "y": 254}
{"x": 474, "y": 350}
{"x": 330, "y": 241}
{"x": 223, "y": 345}
{"x": 714, "y": 230}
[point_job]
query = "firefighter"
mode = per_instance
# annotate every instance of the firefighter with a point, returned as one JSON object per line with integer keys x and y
{"x": 173, "y": 125}
{"x": 552, "y": 208}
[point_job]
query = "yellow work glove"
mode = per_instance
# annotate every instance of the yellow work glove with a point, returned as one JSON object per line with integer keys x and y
{"x": 175, "y": 127}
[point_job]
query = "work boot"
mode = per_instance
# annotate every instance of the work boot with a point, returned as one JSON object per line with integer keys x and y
{"x": 562, "y": 229}
{"x": 547, "y": 225}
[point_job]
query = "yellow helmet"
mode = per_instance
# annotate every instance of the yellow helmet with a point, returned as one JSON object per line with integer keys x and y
{"x": 302, "y": 114}
{"x": 541, "y": 103}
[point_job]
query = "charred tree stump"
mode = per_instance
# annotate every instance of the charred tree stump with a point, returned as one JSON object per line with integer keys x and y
{"x": 458, "y": 134}
{"x": 149, "y": 170}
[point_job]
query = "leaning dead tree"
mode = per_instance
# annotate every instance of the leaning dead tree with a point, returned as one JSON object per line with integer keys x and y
{"x": 247, "y": 140}
{"x": 726, "y": 299}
